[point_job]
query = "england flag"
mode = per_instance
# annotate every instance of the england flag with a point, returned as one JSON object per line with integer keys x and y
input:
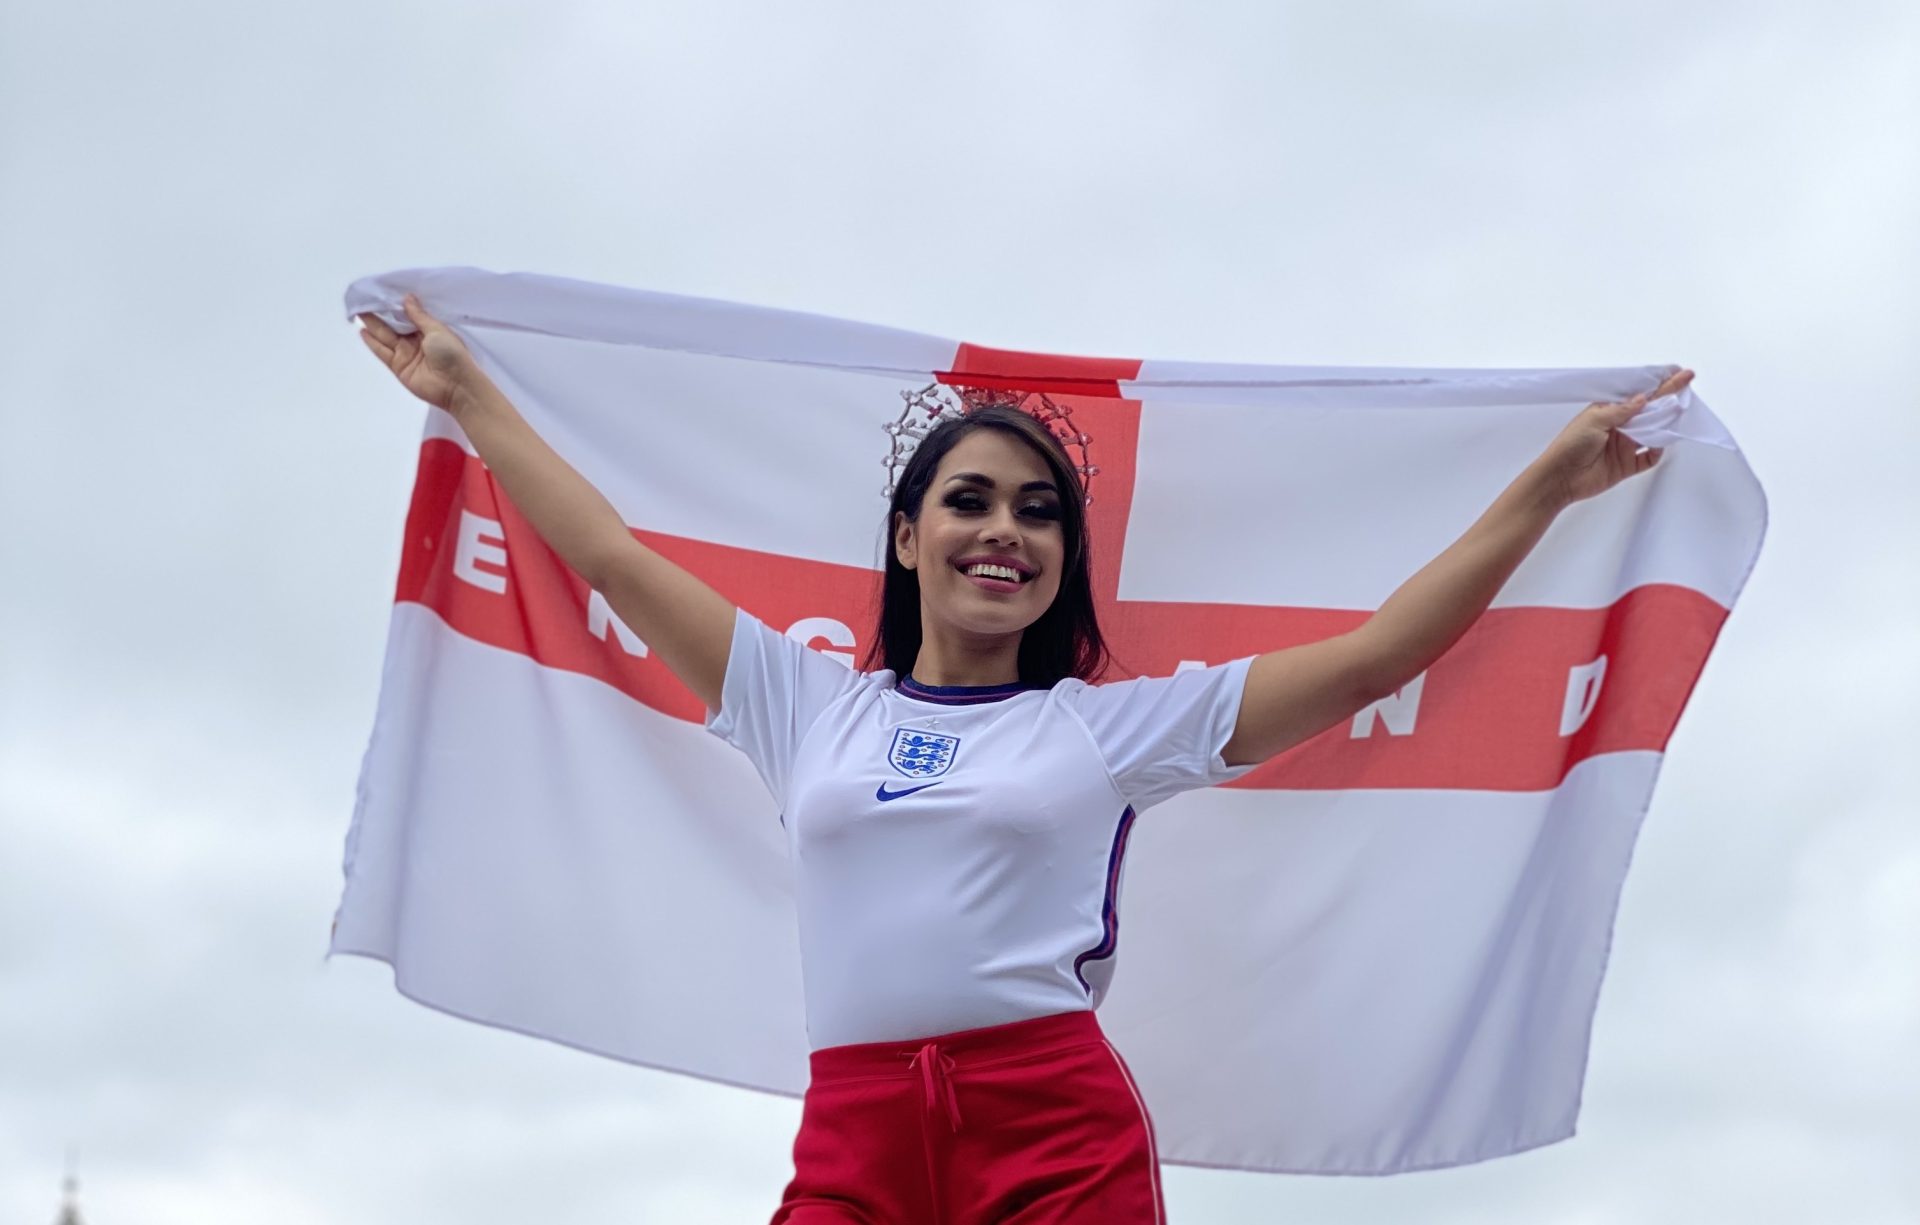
{"x": 1380, "y": 951}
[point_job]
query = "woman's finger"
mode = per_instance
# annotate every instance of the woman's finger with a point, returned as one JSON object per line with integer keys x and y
{"x": 383, "y": 352}
{"x": 378, "y": 326}
{"x": 418, "y": 313}
{"x": 1673, "y": 383}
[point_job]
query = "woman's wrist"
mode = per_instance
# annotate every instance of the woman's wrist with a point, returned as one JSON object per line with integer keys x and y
{"x": 474, "y": 394}
{"x": 1542, "y": 487}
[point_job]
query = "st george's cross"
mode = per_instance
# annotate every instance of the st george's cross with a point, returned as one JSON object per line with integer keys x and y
{"x": 1389, "y": 940}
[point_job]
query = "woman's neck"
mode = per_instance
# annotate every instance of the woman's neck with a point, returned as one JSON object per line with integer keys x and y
{"x": 947, "y": 659}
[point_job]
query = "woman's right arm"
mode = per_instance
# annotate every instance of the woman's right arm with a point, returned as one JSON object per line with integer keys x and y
{"x": 687, "y": 623}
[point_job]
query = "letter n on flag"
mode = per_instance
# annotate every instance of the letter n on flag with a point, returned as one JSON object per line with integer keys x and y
{"x": 1378, "y": 952}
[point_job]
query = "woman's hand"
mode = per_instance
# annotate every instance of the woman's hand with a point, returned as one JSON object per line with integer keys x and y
{"x": 1591, "y": 455}
{"x": 432, "y": 363}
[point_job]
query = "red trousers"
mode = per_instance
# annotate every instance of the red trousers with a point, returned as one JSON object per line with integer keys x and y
{"x": 1033, "y": 1123}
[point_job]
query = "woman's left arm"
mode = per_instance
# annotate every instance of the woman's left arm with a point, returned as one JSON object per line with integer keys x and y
{"x": 1295, "y": 694}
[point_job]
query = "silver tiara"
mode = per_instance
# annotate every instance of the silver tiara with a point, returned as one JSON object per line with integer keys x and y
{"x": 935, "y": 403}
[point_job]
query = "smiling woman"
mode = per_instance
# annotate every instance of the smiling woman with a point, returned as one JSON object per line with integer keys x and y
{"x": 995, "y": 489}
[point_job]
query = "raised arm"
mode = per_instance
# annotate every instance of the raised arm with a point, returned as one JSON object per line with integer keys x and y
{"x": 1295, "y": 694}
{"x": 681, "y": 619}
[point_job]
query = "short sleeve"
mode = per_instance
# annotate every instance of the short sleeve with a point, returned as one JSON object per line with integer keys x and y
{"x": 1161, "y": 735}
{"x": 774, "y": 690}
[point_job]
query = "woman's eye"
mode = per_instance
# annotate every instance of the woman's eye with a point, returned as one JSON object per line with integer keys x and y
{"x": 973, "y": 501}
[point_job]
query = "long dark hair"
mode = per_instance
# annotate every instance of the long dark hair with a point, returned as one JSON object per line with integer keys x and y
{"x": 1066, "y": 640}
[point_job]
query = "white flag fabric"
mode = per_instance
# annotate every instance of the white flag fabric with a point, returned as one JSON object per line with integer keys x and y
{"x": 1380, "y": 951}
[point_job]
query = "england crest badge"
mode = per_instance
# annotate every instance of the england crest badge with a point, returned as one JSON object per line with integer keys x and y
{"x": 920, "y": 754}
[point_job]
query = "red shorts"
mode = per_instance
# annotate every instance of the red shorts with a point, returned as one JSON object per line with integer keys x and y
{"x": 1036, "y": 1122}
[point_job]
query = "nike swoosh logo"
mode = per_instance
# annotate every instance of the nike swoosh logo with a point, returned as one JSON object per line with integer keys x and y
{"x": 884, "y": 794}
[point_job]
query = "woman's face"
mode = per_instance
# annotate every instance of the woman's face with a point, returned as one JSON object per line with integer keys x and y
{"x": 993, "y": 499}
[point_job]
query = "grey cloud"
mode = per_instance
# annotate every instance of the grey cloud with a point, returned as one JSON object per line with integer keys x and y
{"x": 203, "y": 479}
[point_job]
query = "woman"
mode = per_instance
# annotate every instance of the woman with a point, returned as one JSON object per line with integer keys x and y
{"x": 958, "y": 818}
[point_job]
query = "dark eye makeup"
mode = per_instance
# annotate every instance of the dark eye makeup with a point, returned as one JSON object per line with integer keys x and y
{"x": 966, "y": 500}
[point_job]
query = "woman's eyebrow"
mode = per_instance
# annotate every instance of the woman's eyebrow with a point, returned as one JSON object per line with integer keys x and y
{"x": 975, "y": 478}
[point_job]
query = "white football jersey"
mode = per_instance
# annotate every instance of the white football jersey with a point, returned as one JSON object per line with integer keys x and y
{"x": 958, "y": 851}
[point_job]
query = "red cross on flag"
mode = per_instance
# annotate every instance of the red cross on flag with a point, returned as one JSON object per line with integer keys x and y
{"x": 1380, "y": 951}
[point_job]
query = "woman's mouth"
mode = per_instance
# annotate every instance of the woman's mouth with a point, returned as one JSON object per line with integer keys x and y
{"x": 992, "y": 578}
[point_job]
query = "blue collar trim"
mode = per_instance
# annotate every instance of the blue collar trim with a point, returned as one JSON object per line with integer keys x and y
{"x": 960, "y": 695}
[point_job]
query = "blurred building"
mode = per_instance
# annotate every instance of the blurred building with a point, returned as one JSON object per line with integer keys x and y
{"x": 69, "y": 1202}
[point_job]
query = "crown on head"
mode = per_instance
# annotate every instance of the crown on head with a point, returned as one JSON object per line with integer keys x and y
{"x": 935, "y": 403}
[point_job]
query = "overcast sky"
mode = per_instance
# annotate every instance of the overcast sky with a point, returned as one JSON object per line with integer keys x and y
{"x": 203, "y": 476}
